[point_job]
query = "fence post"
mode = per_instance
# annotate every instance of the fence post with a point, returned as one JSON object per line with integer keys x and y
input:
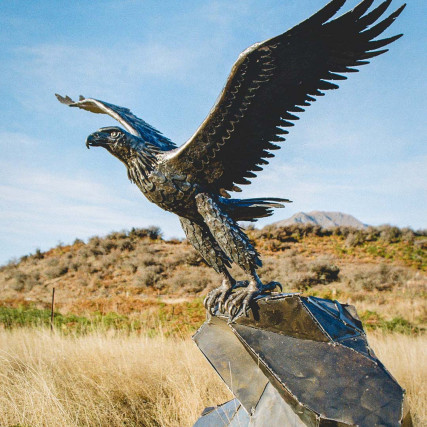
{"x": 52, "y": 309}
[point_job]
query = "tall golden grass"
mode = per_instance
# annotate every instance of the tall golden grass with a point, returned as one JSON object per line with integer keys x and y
{"x": 111, "y": 379}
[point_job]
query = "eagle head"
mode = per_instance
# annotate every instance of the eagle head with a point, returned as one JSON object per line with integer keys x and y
{"x": 117, "y": 141}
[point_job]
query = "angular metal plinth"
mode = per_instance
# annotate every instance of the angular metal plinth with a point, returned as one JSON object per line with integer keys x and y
{"x": 298, "y": 361}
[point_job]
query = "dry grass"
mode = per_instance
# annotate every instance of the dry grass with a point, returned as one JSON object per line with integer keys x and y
{"x": 115, "y": 380}
{"x": 406, "y": 358}
{"x": 102, "y": 380}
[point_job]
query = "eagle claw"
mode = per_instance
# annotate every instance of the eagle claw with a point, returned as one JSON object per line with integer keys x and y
{"x": 239, "y": 301}
{"x": 219, "y": 296}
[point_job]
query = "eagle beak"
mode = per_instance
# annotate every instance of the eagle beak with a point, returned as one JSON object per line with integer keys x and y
{"x": 89, "y": 141}
{"x": 97, "y": 139}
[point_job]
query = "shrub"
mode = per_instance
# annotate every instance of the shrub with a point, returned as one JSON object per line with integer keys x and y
{"x": 129, "y": 266}
{"x": 117, "y": 235}
{"x": 94, "y": 246}
{"x": 303, "y": 280}
{"x": 146, "y": 258}
{"x": 38, "y": 254}
{"x": 148, "y": 276}
{"x": 107, "y": 261}
{"x": 154, "y": 232}
{"x": 380, "y": 277}
{"x": 126, "y": 245}
{"x": 20, "y": 281}
{"x": 52, "y": 262}
{"x": 56, "y": 271}
{"x": 355, "y": 238}
{"x": 108, "y": 245}
{"x": 194, "y": 280}
{"x": 408, "y": 235}
{"x": 194, "y": 258}
{"x": 390, "y": 234}
{"x": 151, "y": 232}
{"x": 324, "y": 271}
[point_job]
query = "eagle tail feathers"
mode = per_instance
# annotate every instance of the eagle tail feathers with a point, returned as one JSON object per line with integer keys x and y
{"x": 251, "y": 209}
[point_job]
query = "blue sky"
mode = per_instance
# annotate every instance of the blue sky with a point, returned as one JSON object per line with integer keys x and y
{"x": 359, "y": 150}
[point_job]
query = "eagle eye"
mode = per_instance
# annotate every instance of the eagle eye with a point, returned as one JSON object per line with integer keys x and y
{"x": 114, "y": 134}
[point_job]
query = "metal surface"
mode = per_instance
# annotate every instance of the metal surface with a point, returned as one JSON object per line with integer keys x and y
{"x": 269, "y": 82}
{"x": 286, "y": 316}
{"x": 270, "y": 408}
{"x": 221, "y": 415}
{"x": 236, "y": 368}
{"x": 332, "y": 380}
{"x": 308, "y": 361}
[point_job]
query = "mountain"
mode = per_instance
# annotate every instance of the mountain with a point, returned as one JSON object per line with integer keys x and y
{"x": 324, "y": 219}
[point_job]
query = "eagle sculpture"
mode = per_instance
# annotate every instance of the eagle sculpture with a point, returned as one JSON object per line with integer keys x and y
{"x": 268, "y": 84}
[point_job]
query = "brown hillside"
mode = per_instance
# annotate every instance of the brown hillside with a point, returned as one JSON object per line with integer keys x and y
{"x": 380, "y": 270}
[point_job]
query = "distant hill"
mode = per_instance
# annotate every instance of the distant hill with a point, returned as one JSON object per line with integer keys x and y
{"x": 324, "y": 219}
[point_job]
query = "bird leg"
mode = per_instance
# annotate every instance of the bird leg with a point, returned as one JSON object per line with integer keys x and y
{"x": 220, "y": 294}
{"x": 239, "y": 301}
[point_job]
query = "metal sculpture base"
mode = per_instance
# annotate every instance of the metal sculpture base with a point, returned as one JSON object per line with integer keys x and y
{"x": 299, "y": 361}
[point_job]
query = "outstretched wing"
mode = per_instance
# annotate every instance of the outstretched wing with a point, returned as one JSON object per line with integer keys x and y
{"x": 270, "y": 81}
{"x": 125, "y": 117}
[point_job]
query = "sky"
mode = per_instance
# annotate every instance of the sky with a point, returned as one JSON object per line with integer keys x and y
{"x": 359, "y": 150}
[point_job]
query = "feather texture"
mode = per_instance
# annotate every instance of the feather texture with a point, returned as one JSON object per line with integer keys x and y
{"x": 272, "y": 79}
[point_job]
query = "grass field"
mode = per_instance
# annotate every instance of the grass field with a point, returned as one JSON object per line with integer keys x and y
{"x": 113, "y": 378}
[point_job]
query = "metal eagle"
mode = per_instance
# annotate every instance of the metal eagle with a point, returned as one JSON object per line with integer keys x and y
{"x": 268, "y": 84}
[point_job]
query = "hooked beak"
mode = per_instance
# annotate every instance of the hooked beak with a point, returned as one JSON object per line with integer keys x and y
{"x": 97, "y": 139}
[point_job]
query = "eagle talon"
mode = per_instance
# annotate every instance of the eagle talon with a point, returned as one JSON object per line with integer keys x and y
{"x": 240, "y": 284}
{"x": 217, "y": 296}
{"x": 239, "y": 302}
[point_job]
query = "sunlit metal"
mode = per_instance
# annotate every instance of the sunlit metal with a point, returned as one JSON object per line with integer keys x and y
{"x": 269, "y": 82}
{"x": 299, "y": 361}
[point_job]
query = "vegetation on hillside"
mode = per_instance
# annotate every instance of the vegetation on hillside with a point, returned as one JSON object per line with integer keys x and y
{"x": 141, "y": 276}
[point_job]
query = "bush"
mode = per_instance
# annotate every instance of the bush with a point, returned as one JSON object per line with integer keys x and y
{"x": 38, "y": 254}
{"x": 324, "y": 271}
{"x": 380, "y": 277}
{"x": 154, "y": 232}
{"x": 126, "y": 245}
{"x": 148, "y": 276}
{"x": 151, "y": 232}
{"x": 108, "y": 245}
{"x": 20, "y": 281}
{"x": 303, "y": 280}
{"x": 355, "y": 238}
{"x": 195, "y": 280}
{"x": 146, "y": 259}
{"x": 129, "y": 266}
{"x": 56, "y": 271}
{"x": 194, "y": 259}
